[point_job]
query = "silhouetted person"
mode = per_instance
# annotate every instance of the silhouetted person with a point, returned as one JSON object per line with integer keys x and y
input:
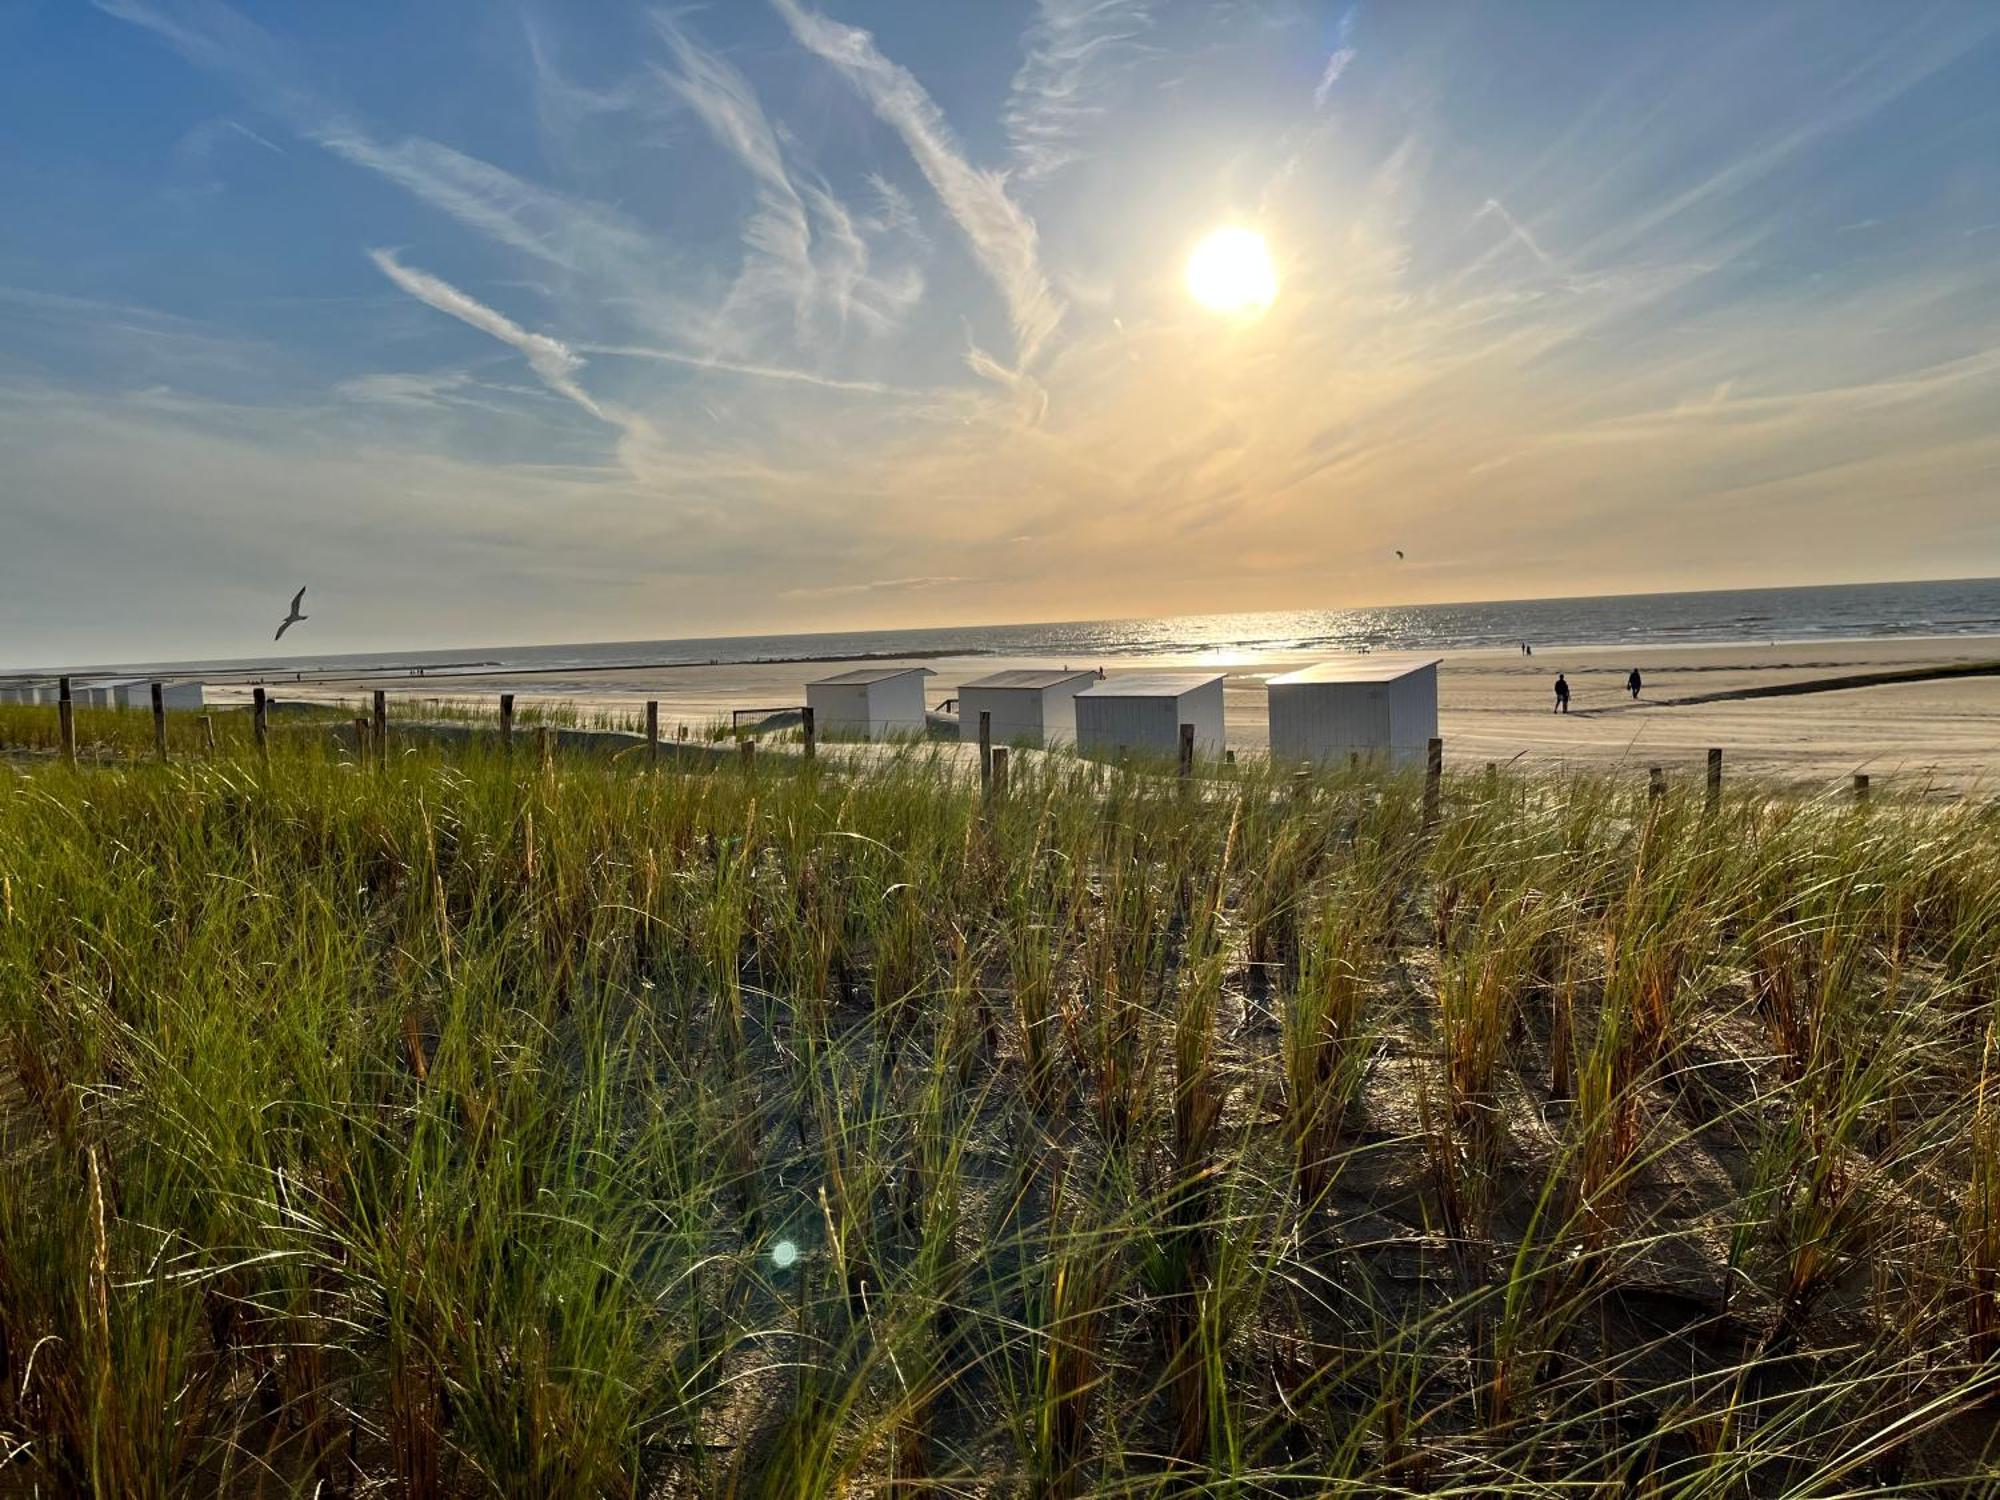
{"x": 1562, "y": 694}
{"x": 1633, "y": 684}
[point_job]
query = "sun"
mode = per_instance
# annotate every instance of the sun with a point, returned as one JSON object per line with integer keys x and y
{"x": 1230, "y": 272}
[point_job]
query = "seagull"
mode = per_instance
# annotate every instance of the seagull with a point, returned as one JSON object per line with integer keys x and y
{"x": 1399, "y": 554}
{"x": 293, "y": 618}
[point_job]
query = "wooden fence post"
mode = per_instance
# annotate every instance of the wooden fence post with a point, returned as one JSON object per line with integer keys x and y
{"x": 208, "y": 732}
{"x": 66, "y": 720}
{"x": 260, "y": 721}
{"x": 1187, "y": 750}
{"x": 1714, "y": 798}
{"x": 1000, "y": 772}
{"x": 545, "y": 755}
{"x": 160, "y": 722}
{"x": 748, "y": 750}
{"x": 361, "y": 739}
{"x": 507, "y": 725}
{"x": 806, "y": 725}
{"x": 1656, "y": 783}
{"x": 652, "y": 734}
{"x": 1433, "y": 779}
{"x": 381, "y": 730}
{"x": 1860, "y": 787}
{"x": 985, "y": 751}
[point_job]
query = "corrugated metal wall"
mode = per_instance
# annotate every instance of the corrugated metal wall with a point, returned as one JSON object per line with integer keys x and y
{"x": 1413, "y": 713}
{"x": 1151, "y": 726}
{"x": 1329, "y": 720}
{"x": 1017, "y": 714}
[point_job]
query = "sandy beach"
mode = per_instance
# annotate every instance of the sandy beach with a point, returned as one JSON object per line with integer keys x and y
{"x": 1494, "y": 705}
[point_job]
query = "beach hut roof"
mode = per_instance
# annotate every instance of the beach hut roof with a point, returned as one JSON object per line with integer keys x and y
{"x": 1024, "y": 678}
{"x": 1369, "y": 668}
{"x": 863, "y": 676}
{"x": 1150, "y": 684}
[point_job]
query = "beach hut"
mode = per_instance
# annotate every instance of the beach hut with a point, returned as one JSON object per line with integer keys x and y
{"x": 174, "y": 696}
{"x": 1142, "y": 713}
{"x": 109, "y": 692}
{"x": 134, "y": 692}
{"x": 118, "y": 692}
{"x": 870, "y": 702}
{"x": 1380, "y": 706}
{"x": 1027, "y": 707}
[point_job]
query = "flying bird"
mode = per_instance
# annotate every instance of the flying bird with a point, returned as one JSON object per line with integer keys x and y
{"x": 293, "y": 618}
{"x": 1399, "y": 554}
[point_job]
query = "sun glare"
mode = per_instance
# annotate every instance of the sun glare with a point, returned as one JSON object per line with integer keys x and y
{"x": 1230, "y": 272}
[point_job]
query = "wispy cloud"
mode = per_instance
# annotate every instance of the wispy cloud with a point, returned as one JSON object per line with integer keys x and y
{"x": 456, "y": 392}
{"x": 877, "y": 586}
{"x": 560, "y": 229}
{"x": 1336, "y": 62}
{"x": 780, "y": 373}
{"x": 778, "y": 236}
{"x": 213, "y": 36}
{"x": 1003, "y": 238}
{"x": 393, "y": 388}
{"x": 895, "y": 214}
{"x": 1494, "y": 208}
{"x": 537, "y": 221}
{"x": 549, "y": 358}
{"x": 1074, "y": 53}
{"x": 1892, "y": 70}
{"x": 803, "y": 248}
{"x": 1030, "y": 395}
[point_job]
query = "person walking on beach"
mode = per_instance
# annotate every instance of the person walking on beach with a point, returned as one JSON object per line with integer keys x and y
{"x": 1633, "y": 684}
{"x": 1562, "y": 694}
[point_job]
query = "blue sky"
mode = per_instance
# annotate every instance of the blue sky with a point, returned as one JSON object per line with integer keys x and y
{"x": 501, "y": 322}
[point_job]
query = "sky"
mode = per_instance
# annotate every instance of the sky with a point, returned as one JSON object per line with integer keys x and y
{"x": 501, "y": 321}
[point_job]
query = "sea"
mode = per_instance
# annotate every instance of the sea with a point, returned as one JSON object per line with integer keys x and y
{"x": 1754, "y": 616}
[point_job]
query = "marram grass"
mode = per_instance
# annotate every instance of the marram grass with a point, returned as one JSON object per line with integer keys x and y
{"x": 472, "y": 1128}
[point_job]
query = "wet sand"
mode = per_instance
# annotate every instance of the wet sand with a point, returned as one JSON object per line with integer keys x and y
{"x": 1493, "y": 705}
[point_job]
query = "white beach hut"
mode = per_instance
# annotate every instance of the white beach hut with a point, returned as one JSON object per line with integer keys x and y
{"x": 869, "y": 702}
{"x": 1027, "y": 707}
{"x": 184, "y": 695}
{"x": 1380, "y": 706}
{"x": 135, "y": 692}
{"x": 110, "y": 692}
{"x": 1142, "y": 713}
{"x": 117, "y": 692}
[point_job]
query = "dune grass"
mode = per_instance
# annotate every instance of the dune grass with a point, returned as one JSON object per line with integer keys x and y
{"x": 475, "y": 1127}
